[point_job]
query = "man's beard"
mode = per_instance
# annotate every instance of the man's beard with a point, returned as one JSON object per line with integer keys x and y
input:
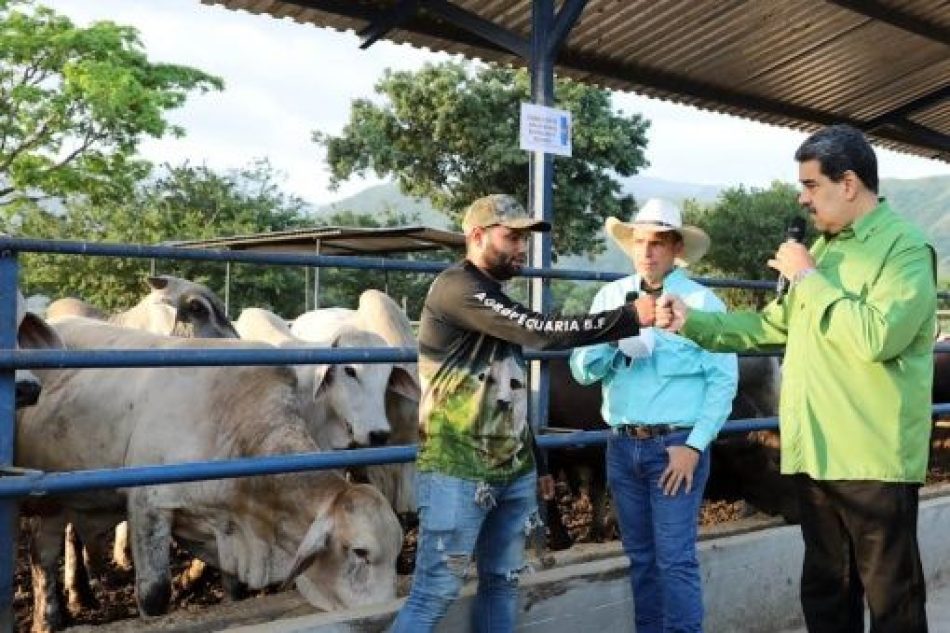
{"x": 500, "y": 266}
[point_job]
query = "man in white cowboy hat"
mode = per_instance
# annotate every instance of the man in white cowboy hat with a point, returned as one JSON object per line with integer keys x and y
{"x": 665, "y": 398}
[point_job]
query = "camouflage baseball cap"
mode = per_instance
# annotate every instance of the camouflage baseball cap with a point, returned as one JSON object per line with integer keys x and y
{"x": 500, "y": 209}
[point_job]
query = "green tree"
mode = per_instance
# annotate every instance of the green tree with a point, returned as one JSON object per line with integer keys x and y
{"x": 573, "y": 297}
{"x": 450, "y": 134}
{"x": 745, "y": 227}
{"x": 184, "y": 202}
{"x": 75, "y": 102}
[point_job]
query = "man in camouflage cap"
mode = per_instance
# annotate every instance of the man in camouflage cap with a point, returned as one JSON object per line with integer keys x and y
{"x": 500, "y": 210}
{"x": 476, "y": 468}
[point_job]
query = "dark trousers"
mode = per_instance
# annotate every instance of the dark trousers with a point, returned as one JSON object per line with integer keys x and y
{"x": 861, "y": 540}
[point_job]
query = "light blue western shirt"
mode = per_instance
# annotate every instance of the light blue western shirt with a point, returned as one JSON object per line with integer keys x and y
{"x": 678, "y": 383}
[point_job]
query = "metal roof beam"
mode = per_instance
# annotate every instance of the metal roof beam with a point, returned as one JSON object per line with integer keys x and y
{"x": 901, "y": 132}
{"x": 399, "y": 14}
{"x": 420, "y": 24}
{"x": 566, "y": 19}
{"x": 916, "y": 134}
{"x": 485, "y": 29}
{"x": 343, "y": 8}
{"x": 898, "y": 115}
{"x": 876, "y": 10}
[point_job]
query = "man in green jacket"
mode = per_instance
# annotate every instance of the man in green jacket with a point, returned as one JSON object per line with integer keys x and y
{"x": 857, "y": 325}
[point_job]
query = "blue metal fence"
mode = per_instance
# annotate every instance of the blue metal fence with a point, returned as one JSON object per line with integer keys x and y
{"x": 23, "y": 482}
{"x": 38, "y": 483}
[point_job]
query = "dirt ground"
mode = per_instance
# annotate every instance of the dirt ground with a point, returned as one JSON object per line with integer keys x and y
{"x": 116, "y": 601}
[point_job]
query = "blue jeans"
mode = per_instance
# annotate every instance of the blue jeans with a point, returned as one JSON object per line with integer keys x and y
{"x": 658, "y": 533}
{"x": 459, "y": 518}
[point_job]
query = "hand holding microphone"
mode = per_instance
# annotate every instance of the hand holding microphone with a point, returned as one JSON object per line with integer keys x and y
{"x": 792, "y": 257}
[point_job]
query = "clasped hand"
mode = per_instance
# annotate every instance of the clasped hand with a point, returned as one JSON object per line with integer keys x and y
{"x": 670, "y": 313}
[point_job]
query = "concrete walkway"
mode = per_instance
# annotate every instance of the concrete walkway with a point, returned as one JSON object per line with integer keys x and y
{"x": 750, "y": 581}
{"x": 938, "y": 610}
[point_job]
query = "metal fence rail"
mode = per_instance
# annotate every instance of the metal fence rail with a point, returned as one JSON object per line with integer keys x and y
{"x": 36, "y": 483}
{"x": 139, "y": 251}
{"x": 99, "y": 359}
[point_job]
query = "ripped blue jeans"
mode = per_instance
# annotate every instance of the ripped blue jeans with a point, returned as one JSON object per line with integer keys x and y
{"x": 460, "y": 519}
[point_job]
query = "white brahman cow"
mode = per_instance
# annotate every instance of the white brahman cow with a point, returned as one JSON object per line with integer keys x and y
{"x": 349, "y": 399}
{"x": 379, "y": 314}
{"x": 343, "y": 538}
{"x": 174, "y": 307}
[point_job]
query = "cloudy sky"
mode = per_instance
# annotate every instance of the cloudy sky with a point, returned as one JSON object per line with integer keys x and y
{"x": 284, "y": 80}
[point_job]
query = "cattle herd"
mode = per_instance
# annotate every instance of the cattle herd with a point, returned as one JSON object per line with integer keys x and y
{"x": 335, "y": 535}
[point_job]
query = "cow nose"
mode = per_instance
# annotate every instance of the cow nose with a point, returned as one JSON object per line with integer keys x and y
{"x": 27, "y": 393}
{"x": 377, "y": 438}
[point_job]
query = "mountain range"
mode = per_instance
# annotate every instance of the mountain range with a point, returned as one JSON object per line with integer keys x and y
{"x": 926, "y": 201}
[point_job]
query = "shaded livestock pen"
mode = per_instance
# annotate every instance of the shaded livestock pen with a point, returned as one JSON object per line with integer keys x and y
{"x": 37, "y": 484}
{"x": 897, "y": 103}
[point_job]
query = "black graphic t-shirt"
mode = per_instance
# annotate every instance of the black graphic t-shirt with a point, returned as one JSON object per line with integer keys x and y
{"x": 473, "y": 415}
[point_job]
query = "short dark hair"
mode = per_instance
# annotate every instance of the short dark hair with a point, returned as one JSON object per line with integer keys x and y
{"x": 840, "y": 148}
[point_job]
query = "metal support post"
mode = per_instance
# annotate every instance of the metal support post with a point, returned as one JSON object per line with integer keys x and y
{"x": 306, "y": 288}
{"x": 8, "y": 507}
{"x": 316, "y": 277}
{"x": 540, "y": 196}
{"x": 227, "y": 289}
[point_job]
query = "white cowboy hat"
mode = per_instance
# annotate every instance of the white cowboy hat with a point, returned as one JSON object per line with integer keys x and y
{"x": 661, "y": 215}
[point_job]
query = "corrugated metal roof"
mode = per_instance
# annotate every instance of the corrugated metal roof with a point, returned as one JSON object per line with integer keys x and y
{"x": 337, "y": 240}
{"x": 883, "y": 65}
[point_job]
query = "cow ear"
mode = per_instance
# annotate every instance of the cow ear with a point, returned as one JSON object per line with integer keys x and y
{"x": 322, "y": 376}
{"x": 402, "y": 383}
{"x": 314, "y": 542}
{"x": 34, "y": 333}
{"x": 157, "y": 282}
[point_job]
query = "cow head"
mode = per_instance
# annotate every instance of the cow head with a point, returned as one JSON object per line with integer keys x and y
{"x": 502, "y": 388}
{"x": 179, "y": 307}
{"x": 32, "y": 333}
{"x": 355, "y": 394}
{"x": 201, "y": 315}
{"x": 507, "y": 390}
{"x": 348, "y": 556}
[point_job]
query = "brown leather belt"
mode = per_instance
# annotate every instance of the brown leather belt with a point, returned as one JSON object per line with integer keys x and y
{"x": 646, "y": 431}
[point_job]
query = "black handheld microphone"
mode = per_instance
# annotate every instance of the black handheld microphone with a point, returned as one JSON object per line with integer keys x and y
{"x": 794, "y": 233}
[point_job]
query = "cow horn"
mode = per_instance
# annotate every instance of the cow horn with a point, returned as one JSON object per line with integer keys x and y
{"x": 314, "y": 542}
{"x": 157, "y": 282}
